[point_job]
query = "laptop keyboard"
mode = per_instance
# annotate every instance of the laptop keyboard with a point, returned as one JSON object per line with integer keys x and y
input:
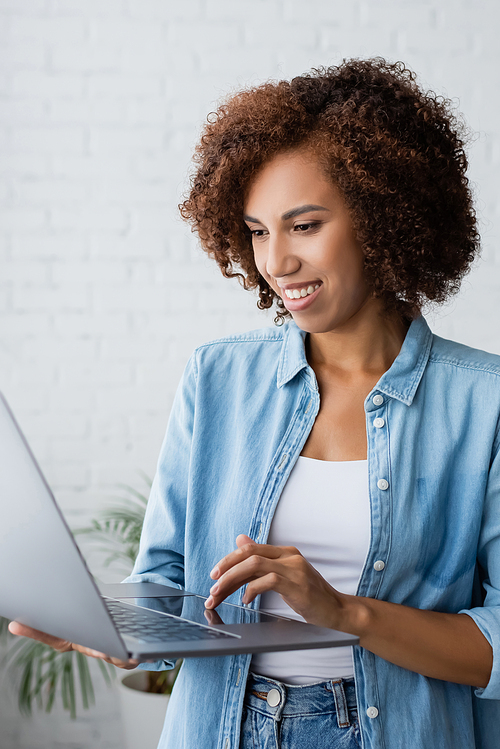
{"x": 150, "y": 626}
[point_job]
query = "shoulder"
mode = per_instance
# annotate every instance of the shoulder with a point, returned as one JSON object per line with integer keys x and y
{"x": 259, "y": 336}
{"x": 260, "y": 345}
{"x": 457, "y": 356}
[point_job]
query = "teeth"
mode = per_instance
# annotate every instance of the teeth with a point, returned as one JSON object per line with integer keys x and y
{"x": 300, "y": 293}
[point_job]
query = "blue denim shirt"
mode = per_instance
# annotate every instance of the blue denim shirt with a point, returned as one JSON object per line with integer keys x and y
{"x": 242, "y": 413}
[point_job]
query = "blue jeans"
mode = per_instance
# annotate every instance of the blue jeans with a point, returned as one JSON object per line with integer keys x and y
{"x": 314, "y": 716}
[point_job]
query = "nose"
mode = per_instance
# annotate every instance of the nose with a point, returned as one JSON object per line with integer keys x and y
{"x": 280, "y": 260}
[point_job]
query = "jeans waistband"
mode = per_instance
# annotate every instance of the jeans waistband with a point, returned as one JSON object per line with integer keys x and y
{"x": 277, "y": 699}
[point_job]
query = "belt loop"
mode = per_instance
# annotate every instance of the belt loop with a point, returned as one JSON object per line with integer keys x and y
{"x": 340, "y": 704}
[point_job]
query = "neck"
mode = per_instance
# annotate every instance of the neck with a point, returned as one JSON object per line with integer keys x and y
{"x": 365, "y": 345}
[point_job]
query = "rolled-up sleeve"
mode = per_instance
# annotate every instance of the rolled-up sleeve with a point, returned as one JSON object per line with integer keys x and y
{"x": 487, "y": 616}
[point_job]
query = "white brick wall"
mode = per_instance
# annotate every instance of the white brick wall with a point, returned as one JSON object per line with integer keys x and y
{"x": 103, "y": 292}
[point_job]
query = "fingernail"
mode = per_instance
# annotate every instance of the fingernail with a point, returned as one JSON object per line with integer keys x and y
{"x": 209, "y": 602}
{"x": 215, "y": 588}
{"x": 215, "y": 573}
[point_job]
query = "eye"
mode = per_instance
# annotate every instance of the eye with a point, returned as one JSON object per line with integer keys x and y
{"x": 257, "y": 233}
{"x": 303, "y": 228}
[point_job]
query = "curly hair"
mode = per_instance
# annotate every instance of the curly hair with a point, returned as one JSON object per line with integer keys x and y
{"x": 395, "y": 152}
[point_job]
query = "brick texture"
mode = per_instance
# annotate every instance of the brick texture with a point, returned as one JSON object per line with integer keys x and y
{"x": 103, "y": 291}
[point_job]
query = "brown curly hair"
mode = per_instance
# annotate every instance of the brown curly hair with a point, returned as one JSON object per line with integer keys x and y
{"x": 396, "y": 153}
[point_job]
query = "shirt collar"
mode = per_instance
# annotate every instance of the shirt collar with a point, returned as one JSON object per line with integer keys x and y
{"x": 400, "y": 381}
{"x": 293, "y": 353}
{"x": 403, "y": 378}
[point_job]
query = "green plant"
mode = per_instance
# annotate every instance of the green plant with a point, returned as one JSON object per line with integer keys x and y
{"x": 117, "y": 529}
{"x": 43, "y": 671}
{"x": 4, "y": 632}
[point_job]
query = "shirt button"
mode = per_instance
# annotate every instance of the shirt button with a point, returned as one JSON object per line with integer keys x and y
{"x": 378, "y": 423}
{"x": 379, "y": 565}
{"x": 372, "y": 712}
{"x": 273, "y": 698}
{"x": 383, "y": 484}
{"x": 377, "y": 400}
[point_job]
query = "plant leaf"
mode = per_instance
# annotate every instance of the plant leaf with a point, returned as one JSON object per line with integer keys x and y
{"x": 86, "y": 687}
{"x": 108, "y": 673}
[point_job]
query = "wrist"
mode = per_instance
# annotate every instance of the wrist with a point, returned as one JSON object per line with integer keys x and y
{"x": 353, "y": 615}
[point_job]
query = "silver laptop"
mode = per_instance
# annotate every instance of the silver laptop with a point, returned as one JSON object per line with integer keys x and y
{"x": 45, "y": 584}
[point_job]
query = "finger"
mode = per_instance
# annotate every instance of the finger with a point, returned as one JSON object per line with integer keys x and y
{"x": 132, "y": 663}
{"x": 243, "y": 539}
{"x": 124, "y": 664}
{"x": 243, "y": 552}
{"x": 271, "y": 581}
{"x": 238, "y": 575}
{"x": 314, "y": 600}
{"x": 115, "y": 661}
{"x": 22, "y": 630}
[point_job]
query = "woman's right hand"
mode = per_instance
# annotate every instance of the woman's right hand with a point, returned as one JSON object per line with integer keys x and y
{"x": 63, "y": 646}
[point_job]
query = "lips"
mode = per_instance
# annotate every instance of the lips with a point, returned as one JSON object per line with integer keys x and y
{"x": 301, "y": 292}
{"x": 306, "y": 295}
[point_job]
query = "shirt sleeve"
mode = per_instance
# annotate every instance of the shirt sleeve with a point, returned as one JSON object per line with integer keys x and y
{"x": 487, "y": 616}
{"x": 161, "y": 551}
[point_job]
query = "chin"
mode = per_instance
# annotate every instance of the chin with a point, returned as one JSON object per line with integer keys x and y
{"x": 314, "y": 326}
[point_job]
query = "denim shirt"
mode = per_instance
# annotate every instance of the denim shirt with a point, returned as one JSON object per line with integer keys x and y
{"x": 241, "y": 416}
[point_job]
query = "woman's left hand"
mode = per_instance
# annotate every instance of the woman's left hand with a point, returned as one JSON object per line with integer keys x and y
{"x": 439, "y": 645}
{"x": 262, "y": 567}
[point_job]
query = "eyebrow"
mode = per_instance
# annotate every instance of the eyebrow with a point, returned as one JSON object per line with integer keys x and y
{"x": 292, "y": 213}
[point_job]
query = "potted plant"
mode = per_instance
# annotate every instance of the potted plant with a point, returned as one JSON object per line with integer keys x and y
{"x": 43, "y": 672}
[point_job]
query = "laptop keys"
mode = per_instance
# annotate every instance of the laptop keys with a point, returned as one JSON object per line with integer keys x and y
{"x": 154, "y": 627}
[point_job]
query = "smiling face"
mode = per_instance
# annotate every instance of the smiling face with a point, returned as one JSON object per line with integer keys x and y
{"x": 304, "y": 243}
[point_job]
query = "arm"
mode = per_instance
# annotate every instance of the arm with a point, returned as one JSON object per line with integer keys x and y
{"x": 63, "y": 646}
{"x": 442, "y": 646}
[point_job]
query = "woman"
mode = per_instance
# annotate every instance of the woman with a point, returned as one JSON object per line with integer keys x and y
{"x": 349, "y": 455}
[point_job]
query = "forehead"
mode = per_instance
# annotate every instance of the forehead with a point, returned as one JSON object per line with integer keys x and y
{"x": 287, "y": 179}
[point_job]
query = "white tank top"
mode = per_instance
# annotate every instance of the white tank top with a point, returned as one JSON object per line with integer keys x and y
{"x": 324, "y": 510}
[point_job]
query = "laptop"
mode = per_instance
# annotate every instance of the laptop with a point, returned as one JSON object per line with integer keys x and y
{"x": 45, "y": 584}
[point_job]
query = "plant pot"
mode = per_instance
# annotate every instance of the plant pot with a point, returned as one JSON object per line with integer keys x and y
{"x": 143, "y": 713}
